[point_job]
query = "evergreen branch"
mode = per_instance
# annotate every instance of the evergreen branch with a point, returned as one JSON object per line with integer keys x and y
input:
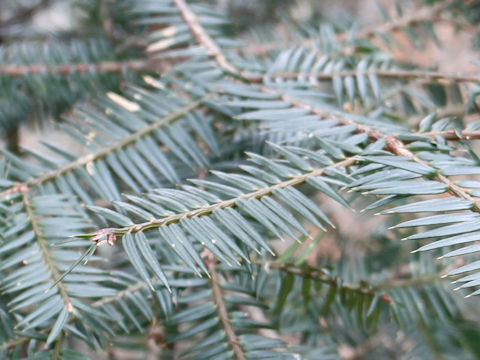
{"x": 13, "y": 343}
{"x": 295, "y": 180}
{"x": 397, "y": 147}
{"x": 44, "y": 249}
{"x": 426, "y": 14}
{"x": 403, "y": 283}
{"x": 225, "y": 320}
{"x": 319, "y": 275}
{"x": 389, "y": 74}
{"x": 82, "y": 161}
{"x": 214, "y": 50}
{"x": 121, "y": 294}
{"x": 209, "y": 44}
{"x": 202, "y": 36}
{"x": 69, "y": 69}
{"x": 453, "y": 134}
{"x": 393, "y": 144}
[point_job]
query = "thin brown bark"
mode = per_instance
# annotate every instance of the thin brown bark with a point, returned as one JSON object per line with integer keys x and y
{"x": 68, "y": 69}
{"x": 218, "y": 298}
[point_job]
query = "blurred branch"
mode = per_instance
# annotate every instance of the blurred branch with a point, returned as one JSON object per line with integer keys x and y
{"x": 320, "y": 275}
{"x": 392, "y": 143}
{"x": 454, "y": 134}
{"x": 202, "y": 36}
{"x": 68, "y": 69}
{"x": 24, "y": 13}
{"x": 424, "y": 14}
{"x": 392, "y": 74}
{"x": 218, "y": 298}
{"x": 124, "y": 141}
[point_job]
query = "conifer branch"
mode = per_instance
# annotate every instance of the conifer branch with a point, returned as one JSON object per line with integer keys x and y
{"x": 45, "y": 251}
{"x": 453, "y": 135}
{"x": 209, "y": 44}
{"x": 121, "y": 294}
{"x": 13, "y": 343}
{"x": 206, "y": 210}
{"x": 382, "y": 73}
{"x": 218, "y": 299}
{"x": 82, "y": 68}
{"x": 397, "y": 147}
{"x": 393, "y": 144}
{"x": 425, "y": 14}
{"x": 409, "y": 282}
{"x": 319, "y": 275}
{"x": 202, "y": 36}
{"x": 84, "y": 160}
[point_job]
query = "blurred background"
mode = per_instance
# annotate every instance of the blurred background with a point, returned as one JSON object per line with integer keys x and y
{"x": 56, "y": 32}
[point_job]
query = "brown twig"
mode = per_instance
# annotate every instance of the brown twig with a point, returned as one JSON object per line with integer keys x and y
{"x": 453, "y": 135}
{"x": 69, "y": 69}
{"x": 389, "y": 74}
{"x": 208, "y": 43}
{"x": 319, "y": 275}
{"x": 225, "y": 321}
